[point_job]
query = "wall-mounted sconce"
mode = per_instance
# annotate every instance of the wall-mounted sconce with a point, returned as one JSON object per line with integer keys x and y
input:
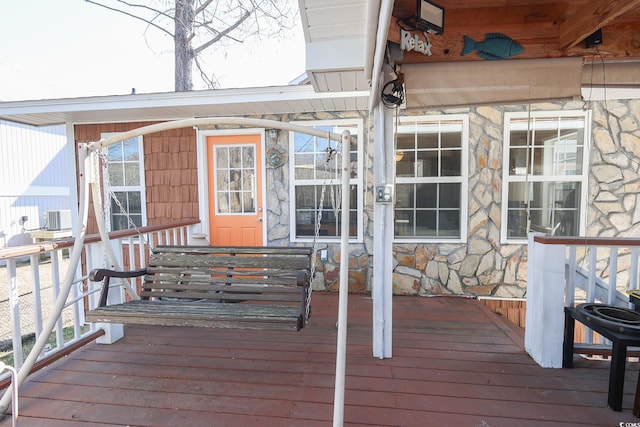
{"x": 276, "y": 156}
{"x": 272, "y": 135}
{"x": 429, "y": 17}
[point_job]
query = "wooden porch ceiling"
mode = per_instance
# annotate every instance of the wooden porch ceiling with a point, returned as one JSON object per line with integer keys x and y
{"x": 545, "y": 28}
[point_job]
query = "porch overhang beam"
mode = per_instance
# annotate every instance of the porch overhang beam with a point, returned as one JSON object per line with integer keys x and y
{"x": 591, "y": 17}
{"x": 213, "y": 121}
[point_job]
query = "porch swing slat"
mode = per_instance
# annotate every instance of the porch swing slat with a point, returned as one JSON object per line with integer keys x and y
{"x": 248, "y": 287}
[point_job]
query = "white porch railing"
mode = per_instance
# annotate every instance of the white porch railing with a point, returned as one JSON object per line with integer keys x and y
{"x": 31, "y": 283}
{"x": 564, "y": 271}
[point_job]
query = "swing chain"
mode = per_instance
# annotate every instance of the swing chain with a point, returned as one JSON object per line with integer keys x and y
{"x": 330, "y": 154}
{"x": 335, "y": 200}
{"x": 112, "y": 195}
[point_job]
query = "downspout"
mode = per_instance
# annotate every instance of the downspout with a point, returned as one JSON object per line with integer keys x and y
{"x": 384, "y": 19}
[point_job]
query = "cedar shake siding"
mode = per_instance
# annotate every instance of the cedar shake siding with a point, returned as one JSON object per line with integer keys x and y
{"x": 170, "y": 170}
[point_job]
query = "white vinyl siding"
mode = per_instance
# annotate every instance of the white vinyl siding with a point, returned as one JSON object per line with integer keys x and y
{"x": 34, "y": 177}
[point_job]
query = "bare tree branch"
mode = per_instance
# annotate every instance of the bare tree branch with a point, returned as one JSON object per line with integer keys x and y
{"x": 211, "y": 82}
{"x": 204, "y": 23}
{"x": 144, "y": 6}
{"x": 224, "y": 33}
{"x": 203, "y": 6}
{"x": 131, "y": 15}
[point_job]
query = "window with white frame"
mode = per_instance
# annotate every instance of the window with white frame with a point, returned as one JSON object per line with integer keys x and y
{"x": 316, "y": 182}
{"x": 431, "y": 178}
{"x": 545, "y": 173}
{"x": 124, "y": 184}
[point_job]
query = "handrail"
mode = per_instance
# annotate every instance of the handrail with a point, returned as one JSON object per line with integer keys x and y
{"x": 36, "y": 248}
{"x": 22, "y": 303}
{"x": 565, "y": 270}
{"x": 587, "y": 241}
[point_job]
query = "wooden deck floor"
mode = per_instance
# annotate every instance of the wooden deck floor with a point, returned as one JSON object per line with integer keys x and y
{"x": 455, "y": 364}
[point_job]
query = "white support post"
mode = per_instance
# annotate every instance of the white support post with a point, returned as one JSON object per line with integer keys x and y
{"x": 544, "y": 328}
{"x": 382, "y": 283}
{"x": 341, "y": 350}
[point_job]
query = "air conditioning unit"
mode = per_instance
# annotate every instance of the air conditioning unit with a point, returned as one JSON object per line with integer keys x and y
{"x": 57, "y": 220}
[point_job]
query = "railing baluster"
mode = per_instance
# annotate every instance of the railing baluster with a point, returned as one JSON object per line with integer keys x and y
{"x": 55, "y": 279}
{"x": 38, "y": 289}
{"x": 613, "y": 276}
{"x": 591, "y": 278}
{"x": 34, "y": 260}
{"x": 633, "y": 269}
{"x": 14, "y": 310}
{"x": 78, "y": 310}
{"x": 131, "y": 247}
{"x": 570, "y": 288}
{"x": 142, "y": 250}
{"x": 591, "y": 286}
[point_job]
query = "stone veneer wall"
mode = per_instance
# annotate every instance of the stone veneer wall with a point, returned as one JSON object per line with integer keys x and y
{"x": 278, "y": 215}
{"x": 486, "y": 267}
{"x": 614, "y": 181}
{"x": 483, "y": 266}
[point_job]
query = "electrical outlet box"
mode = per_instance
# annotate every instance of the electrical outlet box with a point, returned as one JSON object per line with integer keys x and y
{"x": 323, "y": 255}
{"x": 384, "y": 193}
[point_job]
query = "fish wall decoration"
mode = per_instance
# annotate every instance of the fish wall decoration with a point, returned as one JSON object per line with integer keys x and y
{"x": 495, "y": 46}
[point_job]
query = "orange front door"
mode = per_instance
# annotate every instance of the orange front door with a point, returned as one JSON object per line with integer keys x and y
{"x": 235, "y": 190}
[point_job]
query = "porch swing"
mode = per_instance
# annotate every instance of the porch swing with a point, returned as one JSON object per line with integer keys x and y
{"x": 175, "y": 256}
{"x": 247, "y": 287}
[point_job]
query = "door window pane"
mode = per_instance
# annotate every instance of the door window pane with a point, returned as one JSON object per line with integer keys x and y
{"x": 235, "y": 179}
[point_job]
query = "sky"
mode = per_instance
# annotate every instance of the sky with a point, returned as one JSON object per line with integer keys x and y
{"x": 69, "y": 48}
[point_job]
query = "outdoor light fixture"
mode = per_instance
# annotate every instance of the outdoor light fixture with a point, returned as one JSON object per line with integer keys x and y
{"x": 429, "y": 17}
{"x": 273, "y": 135}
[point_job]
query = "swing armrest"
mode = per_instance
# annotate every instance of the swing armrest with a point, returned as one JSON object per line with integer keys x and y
{"x": 105, "y": 275}
{"x": 99, "y": 274}
{"x": 302, "y": 279}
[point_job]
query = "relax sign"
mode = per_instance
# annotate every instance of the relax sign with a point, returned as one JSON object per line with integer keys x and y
{"x": 411, "y": 42}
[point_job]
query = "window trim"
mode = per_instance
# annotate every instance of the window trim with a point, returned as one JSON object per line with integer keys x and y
{"x": 463, "y": 179}
{"x": 507, "y": 179}
{"x": 141, "y": 187}
{"x": 358, "y": 181}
